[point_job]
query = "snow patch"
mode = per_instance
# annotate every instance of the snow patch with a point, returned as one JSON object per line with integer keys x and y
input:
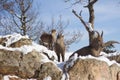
{"x": 47, "y": 78}
{"x": 6, "y": 77}
{"x": 71, "y": 61}
{"x": 13, "y": 38}
{"x": 110, "y": 54}
{"x": 101, "y": 58}
{"x": 89, "y": 25}
{"x": 28, "y": 48}
{"x": 65, "y": 76}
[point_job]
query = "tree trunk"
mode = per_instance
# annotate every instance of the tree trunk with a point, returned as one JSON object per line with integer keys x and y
{"x": 91, "y": 17}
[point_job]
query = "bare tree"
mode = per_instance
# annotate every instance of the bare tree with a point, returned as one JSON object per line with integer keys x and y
{"x": 22, "y": 17}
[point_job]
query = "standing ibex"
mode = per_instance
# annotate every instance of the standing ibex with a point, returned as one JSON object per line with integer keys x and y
{"x": 48, "y": 40}
{"x": 60, "y": 47}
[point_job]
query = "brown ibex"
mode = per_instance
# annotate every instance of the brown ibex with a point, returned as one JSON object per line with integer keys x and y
{"x": 60, "y": 47}
{"x": 48, "y": 40}
{"x": 94, "y": 48}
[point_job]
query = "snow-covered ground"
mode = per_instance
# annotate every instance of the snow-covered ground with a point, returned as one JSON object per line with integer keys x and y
{"x": 28, "y": 48}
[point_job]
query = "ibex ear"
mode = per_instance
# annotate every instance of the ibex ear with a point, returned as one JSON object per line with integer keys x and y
{"x": 102, "y": 34}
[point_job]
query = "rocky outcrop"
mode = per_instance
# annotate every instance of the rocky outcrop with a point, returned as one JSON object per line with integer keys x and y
{"x": 115, "y": 57}
{"x": 9, "y": 61}
{"x": 115, "y": 72}
{"x": 92, "y": 69}
{"x": 33, "y": 64}
{"x": 16, "y": 64}
{"x": 21, "y": 42}
{"x": 2, "y": 41}
{"x": 89, "y": 69}
{"x": 52, "y": 71}
{"x": 30, "y": 65}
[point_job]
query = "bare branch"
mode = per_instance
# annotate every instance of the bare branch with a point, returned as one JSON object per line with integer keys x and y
{"x": 29, "y": 5}
{"x": 83, "y": 22}
{"x": 17, "y": 16}
{"x": 16, "y": 22}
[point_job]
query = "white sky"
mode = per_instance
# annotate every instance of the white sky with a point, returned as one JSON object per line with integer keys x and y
{"x": 107, "y": 18}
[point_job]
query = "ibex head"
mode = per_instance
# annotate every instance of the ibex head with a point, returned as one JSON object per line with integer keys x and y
{"x": 53, "y": 31}
{"x": 61, "y": 37}
{"x": 97, "y": 41}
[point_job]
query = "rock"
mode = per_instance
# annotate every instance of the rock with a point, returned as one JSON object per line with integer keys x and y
{"x": 9, "y": 61}
{"x": 116, "y": 58}
{"x": 1, "y": 77}
{"x": 50, "y": 69}
{"x": 2, "y": 41}
{"x": 27, "y": 66}
{"x": 21, "y": 42}
{"x": 89, "y": 69}
{"x": 118, "y": 75}
{"x": 115, "y": 72}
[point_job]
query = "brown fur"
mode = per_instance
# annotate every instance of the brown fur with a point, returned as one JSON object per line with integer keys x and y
{"x": 93, "y": 49}
{"x": 48, "y": 40}
{"x": 60, "y": 47}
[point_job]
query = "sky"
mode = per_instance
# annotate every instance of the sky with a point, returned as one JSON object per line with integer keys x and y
{"x": 107, "y": 18}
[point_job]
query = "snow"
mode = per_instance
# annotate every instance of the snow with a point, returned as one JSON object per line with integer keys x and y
{"x": 47, "y": 78}
{"x": 64, "y": 76}
{"x": 13, "y": 38}
{"x": 89, "y": 25}
{"x": 101, "y": 58}
{"x": 110, "y": 54}
{"x": 71, "y": 61}
{"x": 6, "y": 77}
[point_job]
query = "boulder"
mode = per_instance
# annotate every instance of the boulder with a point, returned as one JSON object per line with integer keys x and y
{"x": 115, "y": 72}
{"x": 115, "y": 57}
{"x": 1, "y": 77}
{"x": 21, "y": 42}
{"x": 51, "y": 70}
{"x": 29, "y": 64}
{"x": 9, "y": 61}
{"x": 2, "y": 41}
{"x": 89, "y": 69}
{"x": 25, "y": 66}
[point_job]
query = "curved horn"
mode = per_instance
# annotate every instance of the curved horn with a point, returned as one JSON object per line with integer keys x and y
{"x": 98, "y": 35}
{"x": 102, "y": 34}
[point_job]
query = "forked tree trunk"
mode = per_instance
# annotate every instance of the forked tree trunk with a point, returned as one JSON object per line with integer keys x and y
{"x": 91, "y": 19}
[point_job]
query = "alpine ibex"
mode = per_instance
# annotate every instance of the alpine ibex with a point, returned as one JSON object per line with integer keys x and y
{"x": 60, "y": 47}
{"x": 48, "y": 40}
{"x": 94, "y": 48}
